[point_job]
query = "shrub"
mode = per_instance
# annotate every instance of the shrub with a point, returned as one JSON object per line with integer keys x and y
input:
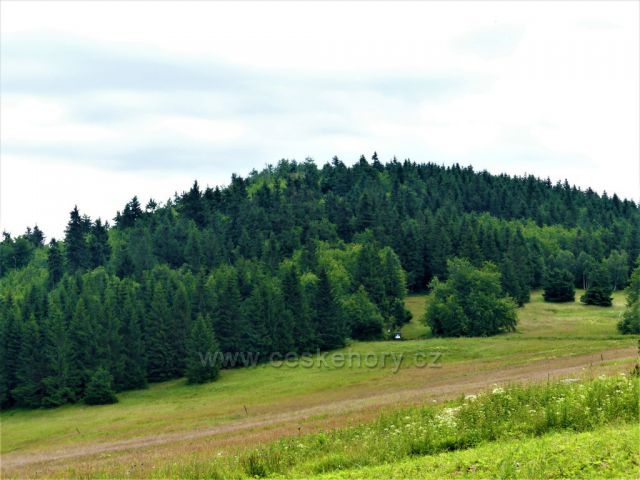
{"x": 630, "y": 322}
{"x": 599, "y": 292}
{"x": 99, "y": 390}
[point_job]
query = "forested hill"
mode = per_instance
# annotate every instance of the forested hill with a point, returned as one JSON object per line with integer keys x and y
{"x": 291, "y": 258}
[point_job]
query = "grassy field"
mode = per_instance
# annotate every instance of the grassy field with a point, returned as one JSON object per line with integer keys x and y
{"x": 275, "y": 401}
{"x": 610, "y": 452}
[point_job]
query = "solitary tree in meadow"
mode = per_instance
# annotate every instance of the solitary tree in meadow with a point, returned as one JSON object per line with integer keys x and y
{"x": 599, "y": 292}
{"x": 559, "y": 286}
{"x": 470, "y": 303}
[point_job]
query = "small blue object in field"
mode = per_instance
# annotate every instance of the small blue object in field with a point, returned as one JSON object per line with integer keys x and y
{"x": 397, "y": 336}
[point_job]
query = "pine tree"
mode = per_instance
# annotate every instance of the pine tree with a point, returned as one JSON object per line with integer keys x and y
{"x": 329, "y": 319}
{"x": 57, "y": 354}
{"x": 203, "y": 352}
{"x": 75, "y": 241}
{"x": 132, "y": 212}
{"x": 559, "y": 286}
{"x": 181, "y": 315}
{"x": 193, "y": 206}
{"x": 98, "y": 244}
{"x": 298, "y": 310}
{"x": 35, "y": 236}
{"x": 394, "y": 289}
{"x": 227, "y": 320}
{"x": 599, "y": 292}
{"x": 99, "y": 390}
{"x": 55, "y": 263}
{"x": 83, "y": 346}
{"x": 29, "y": 375}
{"x": 513, "y": 282}
{"x": 112, "y": 336}
{"x": 11, "y": 341}
{"x": 368, "y": 273}
{"x": 279, "y": 324}
{"x": 157, "y": 334}
{"x": 135, "y": 367}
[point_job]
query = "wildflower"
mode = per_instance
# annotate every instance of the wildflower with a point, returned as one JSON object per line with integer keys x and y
{"x": 471, "y": 398}
{"x": 497, "y": 391}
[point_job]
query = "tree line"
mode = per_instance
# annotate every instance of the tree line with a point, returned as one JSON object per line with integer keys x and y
{"x": 56, "y": 340}
{"x": 292, "y": 257}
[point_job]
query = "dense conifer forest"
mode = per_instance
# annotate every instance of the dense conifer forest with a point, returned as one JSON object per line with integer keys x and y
{"x": 293, "y": 258}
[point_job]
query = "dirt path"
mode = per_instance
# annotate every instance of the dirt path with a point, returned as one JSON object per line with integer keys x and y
{"x": 433, "y": 387}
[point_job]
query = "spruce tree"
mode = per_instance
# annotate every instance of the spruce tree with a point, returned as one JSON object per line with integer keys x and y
{"x": 599, "y": 292}
{"x": 83, "y": 346}
{"x": 227, "y": 321}
{"x": 98, "y": 244}
{"x": 29, "y": 388}
{"x": 180, "y": 328}
{"x": 297, "y": 308}
{"x": 368, "y": 273}
{"x": 75, "y": 241}
{"x": 99, "y": 390}
{"x": 203, "y": 352}
{"x": 57, "y": 355}
{"x": 135, "y": 367}
{"x": 55, "y": 263}
{"x": 329, "y": 319}
{"x": 11, "y": 342}
{"x": 558, "y": 286}
{"x": 157, "y": 335}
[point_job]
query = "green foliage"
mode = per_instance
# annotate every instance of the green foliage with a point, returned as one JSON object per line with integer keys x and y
{"x": 203, "y": 352}
{"x": 55, "y": 263}
{"x": 75, "y": 241}
{"x": 470, "y": 303}
{"x": 503, "y": 414}
{"x": 328, "y": 317}
{"x": 28, "y": 390}
{"x": 630, "y": 322}
{"x": 559, "y": 286}
{"x": 254, "y": 255}
{"x": 363, "y": 318}
{"x": 158, "y": 335}
{"x": 99, "y": 390}
{"x": 599, "y": 292}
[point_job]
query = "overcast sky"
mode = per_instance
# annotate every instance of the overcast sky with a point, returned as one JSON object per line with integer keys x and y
{"x": 102, "y": 101}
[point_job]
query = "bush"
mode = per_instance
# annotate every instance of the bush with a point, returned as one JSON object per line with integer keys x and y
{"x": 599, "y": 292}
{"x": 470, "y": 303}
{"x": 99, "y": 390}
{"x": 559, "y": 286}
{"x": 630, "y": 322}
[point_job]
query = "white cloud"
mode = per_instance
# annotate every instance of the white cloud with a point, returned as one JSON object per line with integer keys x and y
{"x": 104, "y": 100}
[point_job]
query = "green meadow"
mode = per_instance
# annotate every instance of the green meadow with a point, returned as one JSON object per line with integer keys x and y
{"x": 335, "y": 393}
